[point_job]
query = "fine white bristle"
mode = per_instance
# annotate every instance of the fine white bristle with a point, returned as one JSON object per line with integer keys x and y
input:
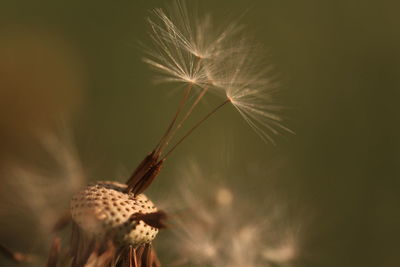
{"x": 221, "y": 227}
{"x": 191, "y": 49}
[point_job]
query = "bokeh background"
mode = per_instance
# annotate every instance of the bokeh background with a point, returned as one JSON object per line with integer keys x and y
{"x": 76, "y": 67}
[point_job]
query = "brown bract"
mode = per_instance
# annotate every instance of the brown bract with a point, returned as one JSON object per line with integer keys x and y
{"x": 145, "y": 173}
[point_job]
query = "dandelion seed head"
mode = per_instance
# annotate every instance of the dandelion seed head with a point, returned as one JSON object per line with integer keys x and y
{"x": 104, "y": 207}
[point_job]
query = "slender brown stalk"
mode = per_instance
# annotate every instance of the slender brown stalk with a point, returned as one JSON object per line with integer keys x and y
{"x": 161, "y": 145}
{"x": 81, "y": 246}
{"x": 132, "y": 257}
{"x": 199, "y": 97}
{"x": 150, "y": 166}
{"x": 54, "y": 254}
{"x": 194, "y": 128}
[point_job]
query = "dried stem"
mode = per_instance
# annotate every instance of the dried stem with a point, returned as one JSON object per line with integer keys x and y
{"x": 194, "y": 128}
{"x": 199, "y": 97}
{"x": 164, "y": 139}
{"x": 54, "y": 253}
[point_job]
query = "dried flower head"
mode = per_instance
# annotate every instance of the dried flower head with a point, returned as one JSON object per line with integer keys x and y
{"x": 104, "y": 208}
{"x": 106, "y": 215}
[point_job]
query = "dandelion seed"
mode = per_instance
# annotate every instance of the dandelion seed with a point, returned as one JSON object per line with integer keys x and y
{"x": 246, "y": 80}
{"x": 184, "y": 41}
{"x": 191, "y": 49}
{"x": 176, "y": 64}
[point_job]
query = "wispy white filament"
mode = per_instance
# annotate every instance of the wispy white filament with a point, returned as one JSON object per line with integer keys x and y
{"x": 42, "y": 194}
{"x": 191, "y": 49}
{"x": 219, "y": 227}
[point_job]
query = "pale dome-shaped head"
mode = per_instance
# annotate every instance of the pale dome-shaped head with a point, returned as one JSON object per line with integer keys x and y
{"x": 105, "y": 208}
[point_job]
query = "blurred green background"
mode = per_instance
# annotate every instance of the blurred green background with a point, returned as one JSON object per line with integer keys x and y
{"x": 339, "y": 65}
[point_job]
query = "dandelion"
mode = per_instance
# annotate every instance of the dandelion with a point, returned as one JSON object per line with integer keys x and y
{"x": 114, "y": 224}
{"x": 110, "y": 226}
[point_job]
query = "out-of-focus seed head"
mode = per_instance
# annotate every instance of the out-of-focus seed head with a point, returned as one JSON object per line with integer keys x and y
{"x": 104, "y": 208}
{"x": 223, "y": 227}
